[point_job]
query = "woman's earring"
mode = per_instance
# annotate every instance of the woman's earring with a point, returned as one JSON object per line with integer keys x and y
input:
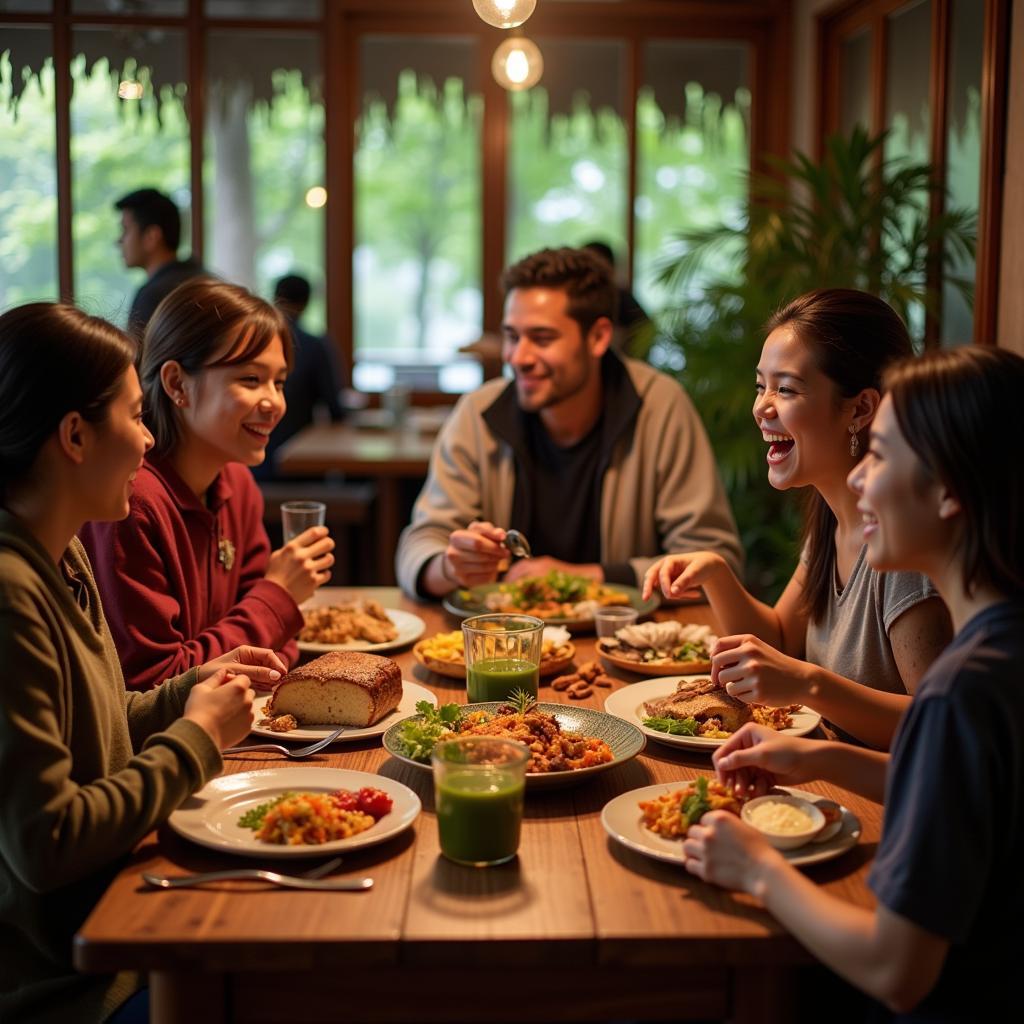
{"x": 854, "y": 443}
{"x": 181, "y": 401}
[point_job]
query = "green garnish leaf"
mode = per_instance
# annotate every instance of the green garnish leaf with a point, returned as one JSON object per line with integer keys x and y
{"x": 673, "y": 726}
{"x": 253, "y": 818}
{"x": 521, "y": 701}
{"x": 696, "y": 804}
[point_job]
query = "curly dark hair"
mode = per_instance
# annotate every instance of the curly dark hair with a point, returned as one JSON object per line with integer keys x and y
{"x": 583, "y": 276}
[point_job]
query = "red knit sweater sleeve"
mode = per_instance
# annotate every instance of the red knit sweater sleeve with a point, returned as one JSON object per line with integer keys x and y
{"x": 152, "y": 596}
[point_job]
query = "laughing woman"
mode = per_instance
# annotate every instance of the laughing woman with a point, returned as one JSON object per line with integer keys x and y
{"x": 189, "y": 574}
{"x": 86, "y": 770}
{"x": 843, "y": 638}
{"x": 938, "y": 495}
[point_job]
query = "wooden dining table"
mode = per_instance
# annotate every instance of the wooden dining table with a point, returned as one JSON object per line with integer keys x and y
{"x": 387, "y": 455}
{"x": 575, "y": 928}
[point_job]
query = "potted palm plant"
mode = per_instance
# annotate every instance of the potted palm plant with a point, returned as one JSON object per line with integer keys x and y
{"x": 854, "y": 220}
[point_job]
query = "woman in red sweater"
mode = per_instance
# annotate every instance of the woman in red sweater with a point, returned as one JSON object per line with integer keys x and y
{"x": 190, "y": 574}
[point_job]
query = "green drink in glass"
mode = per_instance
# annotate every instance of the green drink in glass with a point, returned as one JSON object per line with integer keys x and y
{"x": 502, "y": 655}
{"x": 479, "y": 783}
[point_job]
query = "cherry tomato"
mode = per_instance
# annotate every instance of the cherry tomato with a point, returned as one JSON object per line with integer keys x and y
{"x": 345, "y": 800}
{"x": 374, "y": 802}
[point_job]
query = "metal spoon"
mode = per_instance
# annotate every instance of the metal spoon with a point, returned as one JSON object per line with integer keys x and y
{"x": 517, "y": 544}
{"x": 299, "y": 752}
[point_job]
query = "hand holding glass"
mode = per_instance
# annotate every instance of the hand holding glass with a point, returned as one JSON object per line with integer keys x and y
{"x": 299, "y": 516}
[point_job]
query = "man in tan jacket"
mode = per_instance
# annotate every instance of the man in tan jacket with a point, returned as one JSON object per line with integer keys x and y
{"x": 602, "y": 462}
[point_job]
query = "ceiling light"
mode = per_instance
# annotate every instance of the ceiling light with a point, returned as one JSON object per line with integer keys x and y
{"x": 517, "y": 64}
{"x": 504, "y": 13}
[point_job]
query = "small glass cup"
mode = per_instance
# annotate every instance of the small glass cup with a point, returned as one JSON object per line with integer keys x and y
{"x": 502, "y": 655}
{"x": 610, "y": 619}
{"x": 479, "y": 783}
{"x": 298, "y": 516}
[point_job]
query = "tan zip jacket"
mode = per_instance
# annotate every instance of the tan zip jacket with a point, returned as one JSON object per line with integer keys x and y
{"x": 661, "y": 492}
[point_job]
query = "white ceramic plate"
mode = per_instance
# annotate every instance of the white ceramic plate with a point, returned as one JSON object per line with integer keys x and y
{"x": 410, "y": 628}
{"x": 628, "y": 704}
{"x": 623, "y": 821}
{"x": 210, "y": 817}
{"x": 412, "y": 693}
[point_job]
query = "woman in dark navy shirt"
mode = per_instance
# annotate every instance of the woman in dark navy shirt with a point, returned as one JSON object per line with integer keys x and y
{"x": 941, "y": 492}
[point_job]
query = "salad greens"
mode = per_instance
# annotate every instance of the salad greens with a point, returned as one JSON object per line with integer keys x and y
{"x": 673, "y": 726}
{"x": 418, "y": 736}
{"x": 253, "y": 818}
{"x": 555, "y": 586}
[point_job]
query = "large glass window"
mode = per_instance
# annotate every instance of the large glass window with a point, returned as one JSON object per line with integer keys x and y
{"x": 855, "y": 93}
{"x": 907, "y": 113}
{"x": 417, "y": 202}
{"x": 264, "y": 166}
{"x": 28, "y": 168}
{"x": 120, "y": 145}
{"x": 567, "y": 154}
{"x": 693, "y": 151}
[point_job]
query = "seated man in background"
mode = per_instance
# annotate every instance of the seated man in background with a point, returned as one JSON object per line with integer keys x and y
{"x": 313, "y": 383}
{"x": 602, "y": 462}
{"x": 150, "y": 236}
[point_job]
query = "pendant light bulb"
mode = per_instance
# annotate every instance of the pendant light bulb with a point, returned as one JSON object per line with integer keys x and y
{"x": 504, "y": 13}
{"x": 517, "y": 64}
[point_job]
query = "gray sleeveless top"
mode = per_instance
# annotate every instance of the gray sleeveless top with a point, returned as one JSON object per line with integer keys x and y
{"x": 852, "y": 638}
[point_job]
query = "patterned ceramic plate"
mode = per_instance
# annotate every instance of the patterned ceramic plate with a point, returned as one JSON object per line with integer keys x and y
{"x": 625, "y": 740}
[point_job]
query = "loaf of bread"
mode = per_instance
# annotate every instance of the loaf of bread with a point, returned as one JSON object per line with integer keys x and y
{"x": 340, "y": 688}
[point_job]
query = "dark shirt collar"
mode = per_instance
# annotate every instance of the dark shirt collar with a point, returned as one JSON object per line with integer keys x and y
{"x": 174, "y": 265}
{"x": 620, "y": 401}
{"x": 217, "y": 494}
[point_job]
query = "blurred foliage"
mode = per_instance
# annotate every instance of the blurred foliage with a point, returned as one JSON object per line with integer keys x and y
{"x": 854, "y": 220}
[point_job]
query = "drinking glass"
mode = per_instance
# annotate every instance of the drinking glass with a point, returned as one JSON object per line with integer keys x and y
{"x": 502, "y": 655}
{"x": 297, "y": 516}
{"x": 479, "y": 782}
{"x": 609, "y": 620}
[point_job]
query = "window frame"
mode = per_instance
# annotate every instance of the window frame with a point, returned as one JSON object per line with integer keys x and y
{"x": 842, "y": 21}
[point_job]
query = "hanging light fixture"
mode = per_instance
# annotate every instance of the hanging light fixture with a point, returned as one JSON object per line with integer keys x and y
{"x": 517, "y": 64}
{"x": 130, "y": 89}
{"x": 504, "y": 13}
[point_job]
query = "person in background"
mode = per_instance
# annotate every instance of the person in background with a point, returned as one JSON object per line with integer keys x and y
{"x": 601, "y": 461}
{"x": 940, "y": 492}
{"x": 86, "y": 770}
{"x": 630, "y": 317}
{"x": 150, "y": 236}
{"x": 189, "y": 573}
{"x": 843, "y": 638}
{"x": 313, "y": 384}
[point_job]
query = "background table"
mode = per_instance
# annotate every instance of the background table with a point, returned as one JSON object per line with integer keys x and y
{"x": 576, "y": 928}
{"x": 386, "y": 456}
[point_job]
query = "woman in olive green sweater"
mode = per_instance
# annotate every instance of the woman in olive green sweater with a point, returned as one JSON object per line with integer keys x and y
{"x": 86, "y": 770}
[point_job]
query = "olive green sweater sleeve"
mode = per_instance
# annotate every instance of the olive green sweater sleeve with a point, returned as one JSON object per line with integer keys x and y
{"x": 73, "y": 795}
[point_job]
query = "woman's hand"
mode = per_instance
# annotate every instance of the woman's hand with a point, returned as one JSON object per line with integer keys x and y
{"x": 262, "y": 666}
{"x": 221, "y": 705}
{"x": 755, "y": 758}
{"x": 303, "y": 564}
{"x": 725, "y": 851}
{"x": 676, "y": 574}
{"x": 757, "y": 673}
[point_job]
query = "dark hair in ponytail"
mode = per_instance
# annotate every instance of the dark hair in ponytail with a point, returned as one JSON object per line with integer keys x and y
{"x": 853, "y": 337}
{"x": 54, "y": 359}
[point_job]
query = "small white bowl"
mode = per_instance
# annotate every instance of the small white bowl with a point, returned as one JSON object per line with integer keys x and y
{"x": 785, "y": 840}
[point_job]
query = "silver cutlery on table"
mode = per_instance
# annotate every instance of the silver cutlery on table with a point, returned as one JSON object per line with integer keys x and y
{"x": 312, "y": 880}
{"x": 313, "y": 748}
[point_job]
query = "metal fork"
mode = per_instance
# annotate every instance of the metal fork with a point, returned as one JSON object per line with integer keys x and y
{"x": 311, "y": 880}
{"x": 313, "y": 748}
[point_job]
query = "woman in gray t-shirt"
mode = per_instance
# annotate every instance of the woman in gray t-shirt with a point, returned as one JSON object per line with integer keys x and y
{"x": 843, "y": 639}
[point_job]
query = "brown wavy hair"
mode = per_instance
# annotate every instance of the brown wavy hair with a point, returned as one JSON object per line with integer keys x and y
{"x": 191, "y": 325}
{"x": 584, "y": 276}
{"x": 853, "y": 337}
{"x": 958, "y": 410}
{"x": 54, "y": 359}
